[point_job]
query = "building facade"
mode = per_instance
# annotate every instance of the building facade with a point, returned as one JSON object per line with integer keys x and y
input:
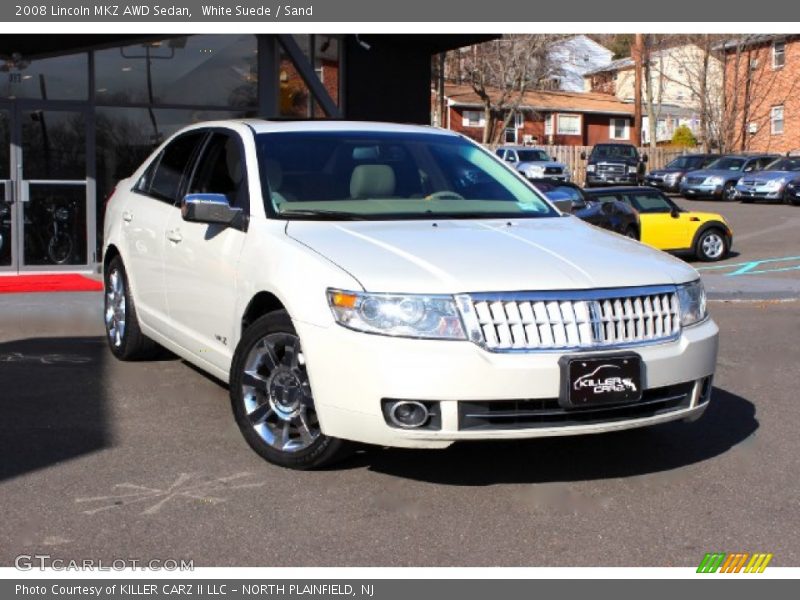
{"x": 544, "y": 117}
{"x": 762, "y": 100}
{"x": 79, "y": 113}
{"x": 676, "y": 74}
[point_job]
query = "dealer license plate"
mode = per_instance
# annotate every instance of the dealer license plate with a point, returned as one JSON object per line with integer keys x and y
{"x": 612, "y": 379}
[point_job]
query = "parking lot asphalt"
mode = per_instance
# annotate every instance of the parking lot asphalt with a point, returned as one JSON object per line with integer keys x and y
{"x": 107, "y": 460}
{"x": 765, "y": 262}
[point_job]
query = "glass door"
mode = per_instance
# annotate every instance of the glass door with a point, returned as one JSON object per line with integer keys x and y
{"x": 51, "y": 187}
{"x": 7, "y": 236}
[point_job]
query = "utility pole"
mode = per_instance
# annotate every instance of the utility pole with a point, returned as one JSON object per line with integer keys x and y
{"x": 638, "y": 52}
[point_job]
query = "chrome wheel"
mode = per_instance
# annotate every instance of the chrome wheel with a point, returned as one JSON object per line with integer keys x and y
{"x": 115, "y": 307}
{"x": 713, "y": 245}
{"x": 277, "y": 394}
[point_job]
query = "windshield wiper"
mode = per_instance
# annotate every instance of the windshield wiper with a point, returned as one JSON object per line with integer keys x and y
{"x": 324, "y": 215}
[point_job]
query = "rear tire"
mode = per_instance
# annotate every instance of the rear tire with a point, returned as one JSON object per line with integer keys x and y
{"x": 711, "y": 246}
{"x": 125, "y": 338}
{"x": 272, "y": 401}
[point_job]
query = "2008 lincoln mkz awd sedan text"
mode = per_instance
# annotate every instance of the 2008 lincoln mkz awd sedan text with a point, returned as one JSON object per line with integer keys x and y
{"x": 395, "y": 285}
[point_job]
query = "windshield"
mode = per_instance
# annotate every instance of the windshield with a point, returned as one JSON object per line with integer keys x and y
{"x": 613, "y": 151}
{"x": 687, "y": 162}
{"x": 650, "y": 203}
{"x": 727, "y": 164}
{"x": 784, "y": 164}
{"x": 386, "y": 175}
{"x": 532, "y": 156}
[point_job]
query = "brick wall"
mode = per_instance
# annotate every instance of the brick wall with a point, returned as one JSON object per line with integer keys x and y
{"x": 749, "y": 110}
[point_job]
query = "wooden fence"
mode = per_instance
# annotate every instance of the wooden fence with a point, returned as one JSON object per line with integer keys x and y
{"x": 571, "y": 156}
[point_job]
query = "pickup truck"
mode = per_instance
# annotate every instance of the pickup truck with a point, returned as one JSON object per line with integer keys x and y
{"x": 614, "y": 164}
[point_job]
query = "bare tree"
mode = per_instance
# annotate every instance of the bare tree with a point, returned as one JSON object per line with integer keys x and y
{"x": 501, "y": 71}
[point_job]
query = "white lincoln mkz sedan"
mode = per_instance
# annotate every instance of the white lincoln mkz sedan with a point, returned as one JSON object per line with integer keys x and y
{"x": 395, "y": 285}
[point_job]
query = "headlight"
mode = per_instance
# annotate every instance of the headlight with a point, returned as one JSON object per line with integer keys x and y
{"x": 692, "y": 299}
{"x": 715, "y": 180}
{"x": 431, "y": 317}
{"x": 535, "y": 170}
{"x": 633, "y": 170}
{"x": 672, "y": 176}
{"x": 590, "y": 168}
{"x": 775, "y": 184}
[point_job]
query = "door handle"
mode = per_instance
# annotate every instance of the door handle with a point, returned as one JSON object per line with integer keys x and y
{"x": 127, "y": 216}
{"x": 174, "y": 235}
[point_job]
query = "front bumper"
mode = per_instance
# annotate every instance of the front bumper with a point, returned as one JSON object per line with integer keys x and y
{"x": 700, "y": 190}
{"x": 758, "y": 193}
{"x": 557, "y": 177}
{"x": 667, "y": 185}
{"x": 595, "y": 180}
{"x": 352, "y": 372}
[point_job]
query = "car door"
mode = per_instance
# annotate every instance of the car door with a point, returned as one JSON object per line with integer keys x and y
{"x": 148, "y": 208}
{"x": 200, "y": 260}
{"x": 661, "y": 226}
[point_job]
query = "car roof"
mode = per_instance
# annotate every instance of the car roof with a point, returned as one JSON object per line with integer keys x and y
{"x": 267, "y": 126}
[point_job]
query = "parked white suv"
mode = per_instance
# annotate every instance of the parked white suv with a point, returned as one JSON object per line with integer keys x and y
{"x": 396, "y": 285}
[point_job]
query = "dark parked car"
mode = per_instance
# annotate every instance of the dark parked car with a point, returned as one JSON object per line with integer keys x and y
{"x": 669, "y": 178}
{"x": 614, "y": 164}
{"x": 793, "y": 191}
{"x": 719, "y": 179}
{"x": 568, "y": 197}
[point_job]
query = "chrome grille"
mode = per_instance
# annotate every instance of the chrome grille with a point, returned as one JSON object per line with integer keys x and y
{"x": 609, "y": 169}
{"x": 564, "y": 320}
{"x": 552, "y": 170}
{"x": 695, "y": 180}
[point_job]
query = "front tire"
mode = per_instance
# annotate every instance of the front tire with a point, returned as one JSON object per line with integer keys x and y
{"x": 272, "y": 400}
{"x": 125, "y": 338}
{"x": 729, "y": 192}
{"x": 711, "y": 246}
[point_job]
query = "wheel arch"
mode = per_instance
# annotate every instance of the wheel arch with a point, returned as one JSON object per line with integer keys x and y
{"x": 724, "y": 229}
{"x": 260, "y": 304}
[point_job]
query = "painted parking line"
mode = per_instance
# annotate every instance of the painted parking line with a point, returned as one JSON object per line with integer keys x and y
{"x": 754, "y": 267}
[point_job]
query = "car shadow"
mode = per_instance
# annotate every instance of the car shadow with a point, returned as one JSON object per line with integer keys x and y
{"x": 728, "y": 421}
{"x": 53, "y": 402}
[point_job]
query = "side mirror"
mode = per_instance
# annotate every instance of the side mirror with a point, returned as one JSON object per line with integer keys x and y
{"x": 675, "y": 213}
{"x": 644, "y": 158}
{"x": 565, "y": 206}
{"x": 583, "y": 155}
{"x": 209, "y": 208}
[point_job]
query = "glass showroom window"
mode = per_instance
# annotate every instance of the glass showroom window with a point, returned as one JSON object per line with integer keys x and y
{"x": 776, "y": 120}
{"x": 569, "y": 124}
{"x": 53, "y": 78}
{"x": 178, "y": 70}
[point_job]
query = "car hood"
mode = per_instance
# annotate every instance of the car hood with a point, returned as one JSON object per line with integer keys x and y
{"x": 539, "y": 163}
{"x": 451, "y": 256}
{"x": 725, "y": 173}
{"x": 772, "y": 175}
{"x": 666, "y": 171}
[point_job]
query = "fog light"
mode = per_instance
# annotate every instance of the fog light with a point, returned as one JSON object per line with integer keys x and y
{"x": 408, "y": 414}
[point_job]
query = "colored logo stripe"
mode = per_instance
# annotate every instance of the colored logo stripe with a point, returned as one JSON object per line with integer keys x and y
{"x": 758, "y": 562}
{"x": 734, "y": 562}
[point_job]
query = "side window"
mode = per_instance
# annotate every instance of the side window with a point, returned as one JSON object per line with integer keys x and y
{"x": 500, "y": 152}
{"x": 764, "y": 161}
{"x": 221, "y": 170}
{"x": 143, "y": 185}
{"x": 165, "y": 183}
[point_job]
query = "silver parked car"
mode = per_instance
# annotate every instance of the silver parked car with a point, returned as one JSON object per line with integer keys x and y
{"x": 533, "y": 163}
